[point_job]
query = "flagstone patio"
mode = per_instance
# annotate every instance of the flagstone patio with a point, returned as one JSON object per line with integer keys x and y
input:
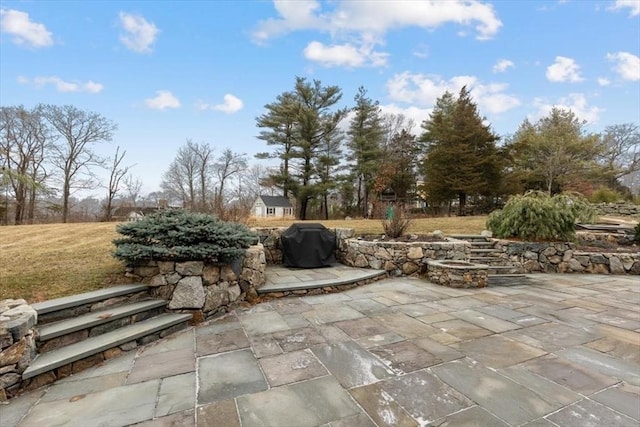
{"x": 547, "y": 350}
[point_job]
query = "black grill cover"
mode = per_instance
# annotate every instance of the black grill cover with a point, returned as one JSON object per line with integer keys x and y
{"x": 308, "y": 246}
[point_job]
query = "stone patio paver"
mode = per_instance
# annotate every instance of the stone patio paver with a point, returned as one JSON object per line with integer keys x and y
{"x": 309, "y": 403}
{"x": 587, "y": 413}
{"x": 540, "y": 351}
{"x": 228, "y": 375}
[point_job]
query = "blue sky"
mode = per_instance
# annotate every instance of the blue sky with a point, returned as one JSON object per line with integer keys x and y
{"x": 167, "y": 71}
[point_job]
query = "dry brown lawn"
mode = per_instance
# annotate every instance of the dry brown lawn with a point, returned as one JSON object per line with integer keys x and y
{"x": 40, "y": 262}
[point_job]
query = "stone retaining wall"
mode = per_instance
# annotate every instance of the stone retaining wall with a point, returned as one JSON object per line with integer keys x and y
{"x": 587, "y": 238}
{"x": 457, "y": 274}
{"x": 17, "y": 344}
{"x": 564, "y": 258}
{"x": 201, "y": 288}
{"x": 618, "y": 209}
{"x": 399, "y": 258}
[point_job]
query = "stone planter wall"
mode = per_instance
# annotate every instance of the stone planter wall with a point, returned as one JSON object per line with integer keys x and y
{"x": 564, "y": 258}
{"x": 399, "y": 258}
{"x": 202, "y": 288}
{"x": 588, "y": 238}
{"x": 17, "y": 344}
{"x": 618, "y": 209}
{"x": 457, "y": 274}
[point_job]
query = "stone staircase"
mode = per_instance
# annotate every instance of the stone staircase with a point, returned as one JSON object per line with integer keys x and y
{"x": 82, "y": 330}
{"x": 483, "y": 251}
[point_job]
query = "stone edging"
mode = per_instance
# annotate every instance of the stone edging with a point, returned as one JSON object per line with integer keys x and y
{"x": 17, "y": 342}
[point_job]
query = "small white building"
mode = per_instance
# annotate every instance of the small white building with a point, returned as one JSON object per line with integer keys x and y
{"x": 272, "y": 206}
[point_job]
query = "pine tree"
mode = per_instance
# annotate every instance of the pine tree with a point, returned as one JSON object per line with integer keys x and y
{"x": 365, "y": 135}
{"x": 300, "y": 122}
{"x": 462, "y": 158}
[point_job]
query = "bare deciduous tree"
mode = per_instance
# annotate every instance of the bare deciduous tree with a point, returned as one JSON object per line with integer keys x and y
{"x": 73, "y": 156}
{"x": 24, "y": 138}
{"x": 116, "y": 175}
{"x": 132, "y": 188}
{"x": 189, "y": 175}
{"x": 226, "y": 166}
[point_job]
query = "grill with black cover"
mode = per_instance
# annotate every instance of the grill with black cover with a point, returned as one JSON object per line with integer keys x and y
{"x": 308, "y": 245}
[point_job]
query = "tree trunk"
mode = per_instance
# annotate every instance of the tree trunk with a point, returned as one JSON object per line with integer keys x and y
{"x": 65, "y": 202}
{"x": 462, "y": 203}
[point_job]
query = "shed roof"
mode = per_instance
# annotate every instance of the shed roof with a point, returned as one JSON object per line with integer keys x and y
{"x": 275, "y": 201}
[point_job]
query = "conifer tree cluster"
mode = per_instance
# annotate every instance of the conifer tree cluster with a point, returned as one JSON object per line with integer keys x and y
{"x": 176, "y": 235}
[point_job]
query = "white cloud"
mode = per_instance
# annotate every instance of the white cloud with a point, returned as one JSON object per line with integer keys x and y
{"x": 164, "y": 99}
{"x": 502, "y": 65}
{"x": 575, "y": 102}
{"x": 421, "y": 51}
{"x": 345, "y": 55}
{"x": 363, "y": 25}
{"x": 603, "y": 81}
{"x": 633, "y": 5}
{"x": 424, "y": 90}
{"x": 232, "y": 104}
{"x": 564, "y": 70}
{"x": 23, "y": 30}
{"x": 139, "y": 34}
{"x": 62, "y": 85}
{"x": 416, "y": 114}
{"x": 627, "y": 65}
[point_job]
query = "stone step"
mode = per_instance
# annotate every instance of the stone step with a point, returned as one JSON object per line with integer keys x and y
{"x": 478, "y": 244}
{"x": 86, "y": 298}
{"x": 468, "y": 237}
{"x": 46, "y": 362}
{"x": 354, "y": 276}
{"x": 483, "y": 251}
{"x": 90, "y": 320}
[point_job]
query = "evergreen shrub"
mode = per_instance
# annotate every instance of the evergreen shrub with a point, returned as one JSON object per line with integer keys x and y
{"x": 536, "y": 216}
{"x": 637, "y": 233}
{"x": 606, "y": 195}
{"x": 177, "y": 235}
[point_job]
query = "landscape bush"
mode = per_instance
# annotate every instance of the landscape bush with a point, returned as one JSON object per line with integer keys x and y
{"x": 637, "y": 233}
{"x": 536, "y": 216}
{"x": 397, "y": 222}
{"x": 177, "y": 235}
{"x": 606, "y": 195}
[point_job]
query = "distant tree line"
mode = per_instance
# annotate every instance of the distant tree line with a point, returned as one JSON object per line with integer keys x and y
{"x": 331, "y": 161}
{"x": 456, "y": 158}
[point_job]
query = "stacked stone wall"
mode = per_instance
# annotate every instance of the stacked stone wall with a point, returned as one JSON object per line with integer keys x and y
{"x": 205, "y": 289}
{"x": 618, "y": 209}
{"x": 17, "y": 344}
{"x": 399, "y": 258}
{"x": 552, "y": 257}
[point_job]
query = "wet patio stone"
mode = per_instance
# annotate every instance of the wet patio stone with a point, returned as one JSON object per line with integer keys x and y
{"x": 405, "y": 356}
{"x": 228, "y": 375}
{"x": 307, "y": 403}
{"x": 351, "y": 364}
{"x": 497, "y": 351}
{"x": 587, "y": 413}
{"x": 291, "y": 367}
{"x": 570, "y": 374}
{"x": 234, "y": 339}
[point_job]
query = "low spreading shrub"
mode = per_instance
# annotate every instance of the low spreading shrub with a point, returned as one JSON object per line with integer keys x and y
{"x": 537, "y": 216}
{"x": 637, "y": 233}
{"x": 176, "y": 235}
